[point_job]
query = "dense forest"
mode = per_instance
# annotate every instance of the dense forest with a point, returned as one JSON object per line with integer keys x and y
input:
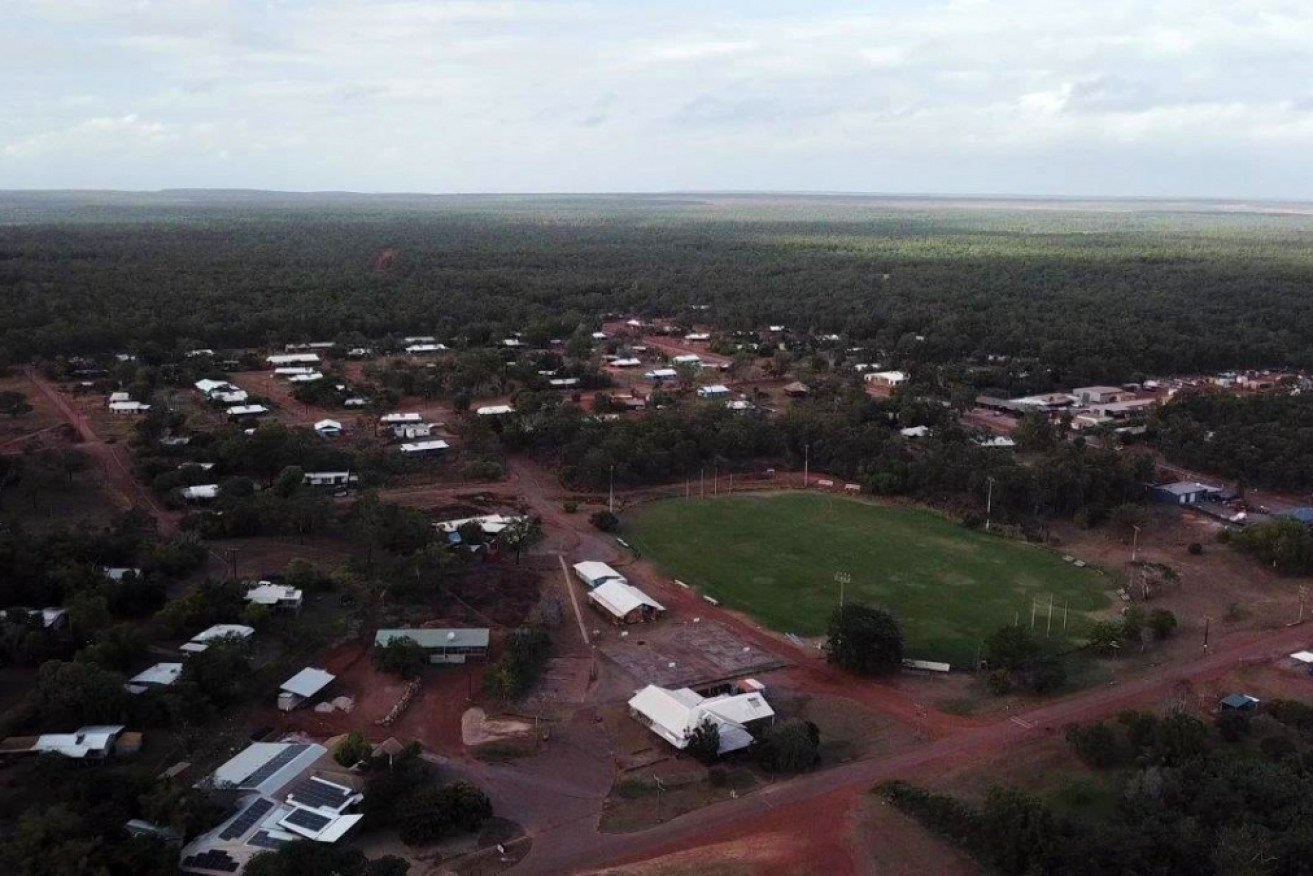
{"x": 1262, "y": 441}
{"x": 1095, "y": 295}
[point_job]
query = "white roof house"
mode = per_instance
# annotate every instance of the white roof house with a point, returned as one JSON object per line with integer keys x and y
{"x": 292, "y": 370}
{"x": 563, "y": 382}
{"x": 116, "y": 573}
{"x": 418, "y": 339}
{"x": 996, "y": 441}
{"x": 495, "y": 410}
{"x": 421, "y": 349}
{"x": 412, "y": 430}
{"x": 303, "y": 686}
{"x": 630, "y": 362}
{"x": 293, "y": 359}
{"x": 94, "y": 741}
{"x": 915, "y": 432}
{"x": 234, "y": 397}
{"x": 662, "y": 374}
{"x": 51, "y": 618}
{"x": 201, "y": 640}
{"x": 392, "y": 419}
{"x": 624, "y": 602}
{"x": 159, "y": 675}
{"x": 200, "y": 492}
{"x": 329, "y": 478}
{"x": 328, "y": 427}
{"x": 247, "y": 411}
{"x": 119, "y": 397}
{"x": 594, "y": 573}
{"x": 128, "y": 407}
{"x": 491, "y": 524}
{"x": 422, "y": 448}
{"x": 697, "y": 336}
{"x": 674, "y": 714}
{"x": 889, "y": 378}
{"x": 209, "y": 387}
{"x": 306, "y": 378}
{"x": 274, "y": 595}
{"x": 715, "y": 390}
{"x": 687, "y": 359}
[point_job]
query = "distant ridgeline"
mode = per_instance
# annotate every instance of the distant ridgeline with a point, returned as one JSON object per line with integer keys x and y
{"x": 1095, "y": 292}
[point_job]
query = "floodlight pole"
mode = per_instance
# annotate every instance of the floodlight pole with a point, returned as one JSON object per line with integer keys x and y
{"x": 806, "y": 462}
{"x": 989, "y": 501}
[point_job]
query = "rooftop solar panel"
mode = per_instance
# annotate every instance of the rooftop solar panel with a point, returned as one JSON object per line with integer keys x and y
{"x": 307, "y": 819}
{"x": 316, "y": 793}
{"x": 277, "y": 762}
{"x": 247, "y": 820}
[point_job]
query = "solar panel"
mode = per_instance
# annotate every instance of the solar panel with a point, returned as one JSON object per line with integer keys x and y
{"x": 315, "y": 793}
{"x": 247, "y": 820}
{"x": 276, "y": 763}
{"x": 307, "y": 819}
{"x": 214, "y": 860}
{"x": 262, "y": 839}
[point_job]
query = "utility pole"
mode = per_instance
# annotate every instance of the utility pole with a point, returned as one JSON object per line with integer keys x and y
{"x": 702, "y": 483}
{"x": 610, "y": 493}
{"x": 715, "y": 480}
{"x": 989, "y": 501}
{"x": 1049, "y": 627}
{"x": 659, "y": 789}
{"x": 1303, "y": 592}
{"x": 1135, "y": 545}
{"x": 806, "y": 462}
{"x": 1207, "y": 622}
{"x": 1065, "y": 605}
{"x": 1032, "y": 614}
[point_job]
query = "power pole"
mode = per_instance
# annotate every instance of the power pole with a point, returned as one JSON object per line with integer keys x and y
{"x": 659, "y": 789}
{"x": 1049, "y": 627}
{"x": 1135, "y": 545}
{"x": 1207, "y": 622}
{"x": 989, "y": 501}
{"x": 1065, "y": 605}
{"x": 702, "y": 483}
{"x": 806, "y": 462}
{"x": 1032, "y": 614}
{"x": 715, "y": 480}
{"x": 610, "y": 493}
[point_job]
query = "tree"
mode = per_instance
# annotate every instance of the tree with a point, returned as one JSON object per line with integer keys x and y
{"x": 1162, "y": 623}
{"x": 604, "y": 521}
{"x": 388, "y": 865}
{"x": 1105, "y": 637}
{"x": 704, "y": 741}
{"x": 304, "y": 856}
{"x": 790, "y": 746}
{"x": 864, "y": 640}
{"x": 222, "y": 671}
{"x": 522, "y": 533}
{"x": 353, "y": 749}
{"x": 1035, "y": 432}
{"x": 14, "y": 404}
{"x": 401, "y": 655}
{"x": 79, "y": 693}
{"x": 1095, "y": 744}
{"x": 1126, "y": 518}
{"x": 1011, "y": 647}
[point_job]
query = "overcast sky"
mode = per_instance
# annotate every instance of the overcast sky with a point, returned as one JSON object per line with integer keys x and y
{"x": 1064, "y": 97}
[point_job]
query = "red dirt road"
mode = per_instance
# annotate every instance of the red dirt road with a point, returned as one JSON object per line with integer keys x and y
{"x": 118, "y": 477}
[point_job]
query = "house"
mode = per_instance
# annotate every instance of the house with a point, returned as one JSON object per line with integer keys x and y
{"x": 492, "y": 525}
{"x": 275, "y": 596}
{"x": 95, "y": 742}
{"x": 246, "y": 412}
{"x": 118, "y": 573}
{"x": 1095, "y": 395}
{"x": 714, "y": 391}
{"x": 1124, "y": 409}
{"x": 739, "y": 405}
{"x": 158, "y": 676}
{"x": 563, "y": 382}
{"x": 674, "y": 714}
{"x": 419, "y": 339}
{"x": 200, "y": 492}
{"x": 201, "y": 641}
{"x": 312, "y": 377}
{"x": 659, "y": 374}
{"x": 294, "y": 370}
{"x": 277, "y": 792}
{"x": 441, "y": 645}
{"x": 328, "y": 429}
{"x": 512, "y": 342}
{"x": 396, "y": 419}
{"x": 1238, "y": 702}
{"x": 996, "y": 441}
{"x": 629, "y": 362}
{"x": 302, "y": 687}
{"x": 888, "y": 379}
{"x": 692, "y": 360}
{"x": 697, "y": 337}
{"x": 128, "y": 408}
{"x": 915, "y": 432}
{"x": 797, "y": 389}
{"x": 52, "y": 619}
{"x": 594, "y": 573}
{"x": 330, "y": 478}
{"x": 119, "y": 397}
{"x": 425, "y": 349}
{"x": 424, "y": 448}
{"x": 1182, "y": 492}
{"x": 599, "y": 336}
{"x": 625, "y": 603}
{"x": 293, "y": 359}
{"x": 232, "y": 397}
{"x": 208, "y": 387}
{"x": 355, "y": 402}
{"x": 494, "y": 410}
{"x": 412, "y": 430}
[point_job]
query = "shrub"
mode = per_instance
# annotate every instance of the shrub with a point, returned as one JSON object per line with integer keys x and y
{"x": 864, "y": 640}
{"x": 352, "y": 750}
{"x": 1048, "y": 676}
{"x": 789, "y": 747}
{"x": 604, "y": 521}
{"x": 1162, "y": 623}
{"x": 999, "y": 682}
{"x": 718, "y": 777}
{"x": 570, "y": 506}
{"x": 1095, "y": 744}
{"x": 1195, "y": 548}
{"x": 402, "y": 656}
{"x": 1232, "y": 725}
{"x": 704, "y": 741}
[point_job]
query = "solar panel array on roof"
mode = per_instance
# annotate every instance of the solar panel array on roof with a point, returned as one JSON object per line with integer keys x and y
{"x": 307, "y": 819}
{"x": 264, "y": 840}
{"x": 316, "y": 793}
{"x": 247, "y": 820}
{"x": 276, "y": 763}
{"x": 214, "y": 860}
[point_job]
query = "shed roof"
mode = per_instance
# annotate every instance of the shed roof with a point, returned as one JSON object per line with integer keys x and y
{"x": 437, "y": 638}
{"x": 620, "y": 598}
{"x": 308, "y": 682}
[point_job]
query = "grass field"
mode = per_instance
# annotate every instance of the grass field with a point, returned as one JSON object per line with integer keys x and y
{"x": 776, "y": 557}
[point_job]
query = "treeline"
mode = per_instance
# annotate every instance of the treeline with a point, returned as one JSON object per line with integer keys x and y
{"x": 845, "y": 434}
{"x": 1186, "y": 798}
{"x": 1261, "y": 440}
{"x": 1091, "y": 297}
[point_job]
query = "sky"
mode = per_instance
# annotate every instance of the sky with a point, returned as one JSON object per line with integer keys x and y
{"x": 1171, "y": 98}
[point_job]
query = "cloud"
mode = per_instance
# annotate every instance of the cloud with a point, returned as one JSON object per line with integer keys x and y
{"x": 505, "y": 95}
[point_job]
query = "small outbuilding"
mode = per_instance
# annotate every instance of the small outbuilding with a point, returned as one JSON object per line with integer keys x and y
{"x": 593, "y": 573}
{"x": 624, "y": 603}
{"x": 302, "y": 687}
{"x": 1238, "y": 702}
